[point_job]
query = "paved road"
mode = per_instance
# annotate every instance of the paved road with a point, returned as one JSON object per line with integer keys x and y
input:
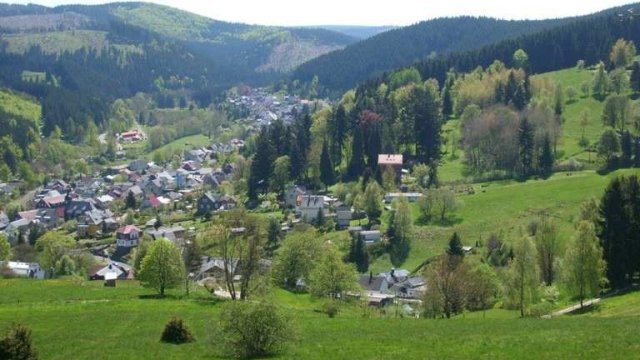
{"x": 576, "y": 307}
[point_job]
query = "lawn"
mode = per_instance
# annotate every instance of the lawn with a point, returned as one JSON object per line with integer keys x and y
{"x": 71, "y": 321}
{"x": 504, "y": 208}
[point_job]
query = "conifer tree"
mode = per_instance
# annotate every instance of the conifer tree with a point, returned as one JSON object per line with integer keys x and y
{"x": 455, "y": 245}
{"x": 356, "y": 163}
{"x": 525, "y": 147}
{"x": 546, "y": 158}
{"x": 327, "y": 174}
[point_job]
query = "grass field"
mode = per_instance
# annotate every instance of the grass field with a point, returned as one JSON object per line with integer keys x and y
{"x": 504, "y": 208}
{"x": 71, "y": 321}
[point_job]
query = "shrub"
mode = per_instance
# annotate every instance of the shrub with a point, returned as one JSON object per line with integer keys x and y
{"x": 176, "y": 332}
{"x": 250, "y": 330}
{"x": 331, "y": 309}
{"x": 17, "y": 344}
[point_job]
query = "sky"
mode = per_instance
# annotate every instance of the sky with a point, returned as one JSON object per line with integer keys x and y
{"x": 371, "y": 12}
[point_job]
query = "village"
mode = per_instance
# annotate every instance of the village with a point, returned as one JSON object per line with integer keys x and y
{"x": 111, "y": 212}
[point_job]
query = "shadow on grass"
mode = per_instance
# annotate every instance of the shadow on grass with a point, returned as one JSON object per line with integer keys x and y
{"x": 446, "y": 222}
{"x": 591, "y": 308}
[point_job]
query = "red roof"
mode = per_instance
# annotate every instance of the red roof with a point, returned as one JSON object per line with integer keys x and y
{"x": 130, "y": 134}
{"x": 54, "y": 201}
{"x": 28, "y": 215}
{"x": 154, "y": 201}
{"x": 128, "y": 229}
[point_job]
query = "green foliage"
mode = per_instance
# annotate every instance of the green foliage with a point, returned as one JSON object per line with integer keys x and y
{"x": 455, "y": 246}
{"x": 372, "y": 201}
{"x": 5, "y": 248}
{"x": 162, "y": 267}
{"x": 250, "y": 330}
{"x": 296, "y": 258}
{"x": 523, "y": 277}
{"x": 17, "y": 344}
{"x": 616, "y": 112}
{"x": 622, "y": 53}
{"x": 547, "y": 245}
{"x": 52, "y": 248}
{"x": 176, "y": 332}
{"x": 331, "y": 277}
{"x": 584, "y": 267}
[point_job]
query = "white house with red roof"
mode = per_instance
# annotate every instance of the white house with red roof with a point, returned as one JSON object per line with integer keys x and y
{"x": 128, "y": 236}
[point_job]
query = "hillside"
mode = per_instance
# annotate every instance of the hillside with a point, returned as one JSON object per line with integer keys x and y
{"x": 356, "y": 31}
{"x": 400, "y": 47}
{"x": 20, "y": 117}
{"x": 102, "y": 322}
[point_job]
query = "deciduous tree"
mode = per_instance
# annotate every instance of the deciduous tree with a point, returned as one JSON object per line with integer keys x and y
{"x": 584, "y": 266}
{"x": 162, "y": 267}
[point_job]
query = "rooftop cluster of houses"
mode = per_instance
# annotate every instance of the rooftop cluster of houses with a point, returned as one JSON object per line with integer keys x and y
{"x": 263, "y": 107}
{"x": 381, "y": 289}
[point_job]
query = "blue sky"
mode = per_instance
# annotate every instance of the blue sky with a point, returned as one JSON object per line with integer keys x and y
{"x": 372, "y": 12}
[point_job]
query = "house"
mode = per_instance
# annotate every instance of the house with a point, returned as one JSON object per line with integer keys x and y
{"x": 390, "y": 160}
{"x": 396, "y": 276}
{"x": 411, "y": 288}
{"x": 292, "y": 196}
{"x": 131, "y": 136}
{"x": 128, "y": 236}
{"x": 139, "y": 165}
{"x": 376, "y": 290}
{"x": 410, "y": 196}
{"x": 226, "y": 202}
{"x": 78, "y": 207}
{"x": 30, "y": 270}
{"x": 310, "y": 205}
{"x": 191, "y": 166}
{"x": 155, "y": 202}
{"x": 344, "y": 214}
{"x": 154, "y": 186}
{"x": 111, "y": 272}
{"x": 213, "y": 267}
{"x": 207, "y": 203}
{"x": 136, "y": 191}
{"x": 176, "y": 234}
{"x": 370, "y": 236}
{"x": 51, "y": 202}
{"x": 96, "y": 222}
{"x": 197, "y": 155}
{"x": 4, "y": 220}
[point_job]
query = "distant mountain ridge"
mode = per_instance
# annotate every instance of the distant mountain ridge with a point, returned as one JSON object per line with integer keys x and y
{"x": 357, "y": 31}
{"x": 343, "y": 69}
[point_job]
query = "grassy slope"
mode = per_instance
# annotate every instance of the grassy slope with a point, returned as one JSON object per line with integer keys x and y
{"x": 20, "y": 105}
{"x": 61, "y": 41}
{"x": 90, "y": 321}
{"x": 505, "y": 207}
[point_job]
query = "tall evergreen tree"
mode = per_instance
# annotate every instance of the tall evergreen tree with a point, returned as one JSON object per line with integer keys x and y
{"x": 627, "y": 148}
{"x": 455, "y": 245}
{"x": 613, "y": 234}
{"x": 356, "y": 163}
{"x": 130, "y": 202}
{"x": 327, "y": 174}
{"x": 340, "y": 128}
{"x": 635, "y": 77}
{"x": 428, "y": 122}
{"x": 261, "y": 166}
{"x": 546, "y": 158}
{"x": 525, "y": 147}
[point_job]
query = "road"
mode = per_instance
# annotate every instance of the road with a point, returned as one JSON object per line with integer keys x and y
{"x": 573, "y": 308}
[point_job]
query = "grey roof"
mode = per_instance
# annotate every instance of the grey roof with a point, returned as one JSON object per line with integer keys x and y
{"x": 371, "y": 283}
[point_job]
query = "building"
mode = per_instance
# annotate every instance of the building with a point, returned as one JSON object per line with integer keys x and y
{"x": 128, "y": 236}
{"x": 410, "y": 196}
{"x": 344, "y": 214}
{"x": 206, "y": 204}
{"x": 370, "y": 236}
{"x": 310, "y": 205}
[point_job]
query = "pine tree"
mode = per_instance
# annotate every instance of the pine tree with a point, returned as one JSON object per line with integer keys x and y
{"x": 635, "y": 77}
{"x": 360, "y": 255}
{"x": 525, "y": 147}
{"x": 428, "y": 121}
{"x": 455, "y": 245}
{"x": 356, "y": 163}
{"x": 327, "y": 174}
{"x": 613, "y": 234}
{"x": 627, "y": 148}
{"x": 130, "y": 202}
{"x": 339, "y": 133}
{"x": 261, "y": 166}
{"x": 546, "y": 158}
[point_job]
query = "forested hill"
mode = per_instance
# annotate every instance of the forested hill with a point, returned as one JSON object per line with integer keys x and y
{"x": 343, "y": 69}
{"x": 77, "y": 59}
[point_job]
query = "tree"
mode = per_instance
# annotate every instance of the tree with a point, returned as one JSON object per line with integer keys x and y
{"x": 192, "y": 258}
{"x": 162, "y": 267}
{"x": 483, "y": 287}
{"x": 373, "y": 201}
{"x": 176, "y": 332}
{"x": 359, "y": 255}
{"x": 16, "y": 345}
{"x": 5, "y": 248}
{"x": 130, "y": 202}
{"x": 455, "y": 246}
{"x": 622, "y": 53}
{"x": 274, "y": 236}
{"x": 52, "y": 247}
{"x": 281, "y": 172}
{"x": 432, "y": 181}
{"x": 427, "y": 113}
{"x": 619, "y": 80}
{"x": 583, "y": 263}
{"x": 546, "y": 159}
{"x": 327, "y": 173}
{"x": 584, "y": 121}
{"x": 547, "y": 245}
{"x": 331, "y": 277}
{"x": 295, "y": 259}
{"x": 635, "y": 77}
{"x": 600, "y": 81}
{"x": 356, "y": 162}
{"x": 448, "y": 281}
{"x": 400, "y": 231}
{"x": 253, "y": 330}
{"x": 523, "y": 279}
{"x": 616, "y": 112}
{"x": 443, "y": 202}
{"x": 520, "y": 59}
{"x": 525, "y": 147}
{"x": 613, "y": 231}
{"x": 608, "y": 145}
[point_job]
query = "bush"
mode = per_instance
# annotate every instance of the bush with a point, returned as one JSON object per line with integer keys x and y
{"x": 17, "y": 345}
{"x": 331, "y": 309}
{"x": 176, "y": 332}
{"x": 250, "y": 330}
